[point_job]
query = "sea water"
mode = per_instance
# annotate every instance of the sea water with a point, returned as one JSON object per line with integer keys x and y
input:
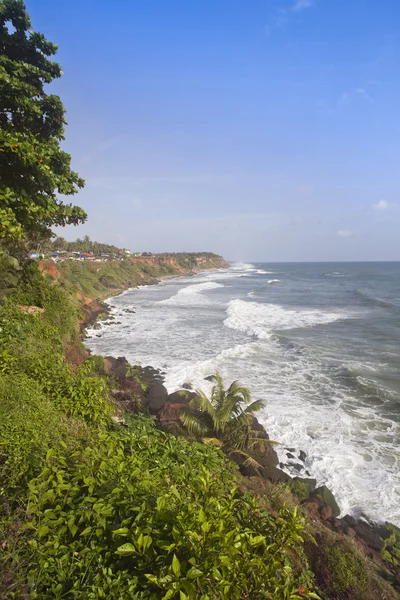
{"x": 318, "y": 343}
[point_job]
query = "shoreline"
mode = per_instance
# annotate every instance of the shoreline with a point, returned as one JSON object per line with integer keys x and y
{"x": 287, "y": 469}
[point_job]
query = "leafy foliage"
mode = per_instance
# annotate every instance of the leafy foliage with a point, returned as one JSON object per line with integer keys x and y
{"x": 225, "y": 418}
{"x": 143, "y": 514}
{"x": 29, "y": 427}
{"x": 34, "y": 169}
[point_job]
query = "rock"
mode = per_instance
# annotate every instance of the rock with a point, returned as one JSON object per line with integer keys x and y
{"x": 351, "y": 532}
{"x": 155, "y": 397}
{"x": 327, "y": 498}
{"x": 372, "y": 534}
{"x": 210, "y": 378}
{"x": 326, "y": 513}
{"x": 302, "y": 456}
{"x": 304, "y": 487}
{"x": 127, "y": 401}
{"x": 290, "y": 455}
{"x": 152, "y": 374}
{"x": 187, "y": 386}
{"x": 181, "y": 397}
{"x": 275, "y": 475}
{"x": 312, "y": 505}
{"x": 291, "y": 449}
{"x": 296, "y": 466}
{"x": 117, "y": 367}
{"x": 169, "y": 418}
{"x": 264, "y": 452}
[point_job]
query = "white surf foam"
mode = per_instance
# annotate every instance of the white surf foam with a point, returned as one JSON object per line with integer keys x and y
{"x": 350, "y": 447}
{"x": 192, "y": 295}
{"x": 261, "y": 320}
{"x": 274, "y": 280}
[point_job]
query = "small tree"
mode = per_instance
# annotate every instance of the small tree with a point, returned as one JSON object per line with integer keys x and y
{"x": 225, "y": 419}
{"x": 34, "y": 170}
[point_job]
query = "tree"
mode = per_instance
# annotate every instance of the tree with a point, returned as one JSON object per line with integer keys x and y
{"x": 225, "y": 418}
{"x": 34, "y": 170}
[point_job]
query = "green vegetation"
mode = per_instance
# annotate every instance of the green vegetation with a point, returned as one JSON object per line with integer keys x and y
{"x": 90, "y": 509}
{"x": 225, "y": 418}
{"x": 85, "y": 245}
{"x": 34, "y": 169}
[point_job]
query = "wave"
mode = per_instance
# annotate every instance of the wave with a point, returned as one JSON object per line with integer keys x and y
{"x": 372, "y": 299}
{"x": 192, "y": 295}
{"x": 261, "y": 320}
{"x": 262, "y": 272}
{"x": 274, "y": 280}
{"x": 242, "y": 266}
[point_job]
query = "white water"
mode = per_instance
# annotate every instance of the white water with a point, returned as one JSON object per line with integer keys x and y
{"x": 194, "y": 326}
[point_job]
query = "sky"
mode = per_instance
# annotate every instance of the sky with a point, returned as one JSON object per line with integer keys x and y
{"x": 263, "y": 130}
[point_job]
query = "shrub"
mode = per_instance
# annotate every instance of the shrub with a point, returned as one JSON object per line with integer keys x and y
{"x": 342, "y": 569}
{"x": 142, "y": 514}
{"x": 29, "y": 427}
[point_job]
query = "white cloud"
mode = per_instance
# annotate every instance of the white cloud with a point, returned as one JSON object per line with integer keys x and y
{"x": 346, "y": 233}
{"x": 302, "y": 5}
{"x": 350, "y": 97}
{"x": 384, "y": 205}
{"x": 381, "y": 205}
{"x": 283, "y": 15}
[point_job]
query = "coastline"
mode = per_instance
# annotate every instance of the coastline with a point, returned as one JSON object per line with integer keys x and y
{"x": 318, "y": 501}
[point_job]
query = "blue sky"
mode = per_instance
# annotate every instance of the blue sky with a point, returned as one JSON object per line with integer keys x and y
{"x": 261, "y": 130}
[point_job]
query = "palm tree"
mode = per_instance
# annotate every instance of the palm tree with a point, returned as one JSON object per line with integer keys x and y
{"x": 225, "y": 419}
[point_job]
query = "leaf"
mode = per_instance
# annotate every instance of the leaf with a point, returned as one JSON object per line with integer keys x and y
{"x": 194, "y": 573}
{"x": 257, "y": 540}
{"x": 176, "y": 566}
{"x": 43, "y": 530}
{"x": 121, "y": 531}
{"x": 126, "y": 549}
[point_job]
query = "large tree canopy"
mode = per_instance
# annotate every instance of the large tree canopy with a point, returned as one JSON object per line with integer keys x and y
{"x": 34, "y": 171}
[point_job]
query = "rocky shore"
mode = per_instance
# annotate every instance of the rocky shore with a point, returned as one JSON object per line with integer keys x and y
{"x": 142, "y": 389}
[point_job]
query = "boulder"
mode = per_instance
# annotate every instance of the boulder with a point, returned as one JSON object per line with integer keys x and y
{"x": 302, "y": 456}
{"x": 327, "y": 498}
{"x": 264, "y": 453}
{"x": 181, "y": 397}
{"x": 155, "y": 397}
{"x": 326, "y": 513}
{"x": 117, "y": 367}
{"x": 312, "y": 505}
{"x": 303, "y": 487}
{"x": 275, "y": 475}
{"x": 170, "y": 413}
{"x": 372, "y": 534}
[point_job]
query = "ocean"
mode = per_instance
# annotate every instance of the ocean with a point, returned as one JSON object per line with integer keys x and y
{"x": 319, "y": 343}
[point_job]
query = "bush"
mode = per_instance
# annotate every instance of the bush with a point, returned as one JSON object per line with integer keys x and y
{"x": 342, "y": 569}
{"x": 29, "y": 427}
{"x": 142, "y": 514}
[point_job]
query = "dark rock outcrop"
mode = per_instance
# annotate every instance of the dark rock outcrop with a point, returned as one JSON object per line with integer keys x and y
{"x": 327, "y": 498}
{"x": 155, "y": 398}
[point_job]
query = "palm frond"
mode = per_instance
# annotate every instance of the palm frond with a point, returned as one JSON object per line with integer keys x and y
{"x": 201, "y": 403}
{"x": 214, "y": 441}
{"x": 193, "y": 424}
{"x": 250, "y": 461}
{"x": 236, "y": 389}
{"x": 254, "y": 406}
{"x": 254, "y": 441}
